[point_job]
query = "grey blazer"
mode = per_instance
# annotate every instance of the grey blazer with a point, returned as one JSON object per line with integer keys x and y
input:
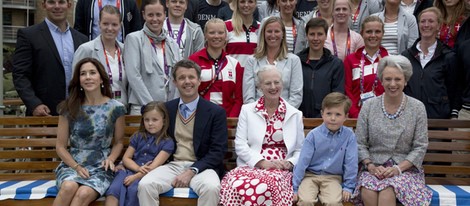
{"x": 147, "y": 79}
{"x": 407, "y": 29}
{"x": 368, "y": 7}
{"x": 380, "y": 139}
{"x": 292, "y": 80}
{"x": 94, "y": 49}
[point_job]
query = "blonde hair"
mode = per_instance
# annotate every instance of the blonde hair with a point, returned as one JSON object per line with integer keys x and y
{"x": 216, "y": 21}
{"x": 433, "y": 10}
{"x": 372, "y": 19}
{"x": 261, "y": 49}
{"x": 237, "y": 21}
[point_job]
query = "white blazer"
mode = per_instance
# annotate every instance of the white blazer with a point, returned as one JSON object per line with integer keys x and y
{"x": 252, "y": 127}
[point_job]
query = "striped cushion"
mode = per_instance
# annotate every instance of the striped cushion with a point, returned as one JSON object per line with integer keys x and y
{"x": 38, "y": 189}
{"x": 450, "y": 195}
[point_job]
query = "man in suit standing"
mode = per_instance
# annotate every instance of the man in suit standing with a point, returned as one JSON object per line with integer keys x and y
{"x": 42, "y": 63}
{"x": 200, "y": 131}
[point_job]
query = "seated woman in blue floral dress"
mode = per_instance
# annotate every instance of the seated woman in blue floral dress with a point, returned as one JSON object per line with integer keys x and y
{"x": 392, "y": 139}
{"x": 94, "y": 124}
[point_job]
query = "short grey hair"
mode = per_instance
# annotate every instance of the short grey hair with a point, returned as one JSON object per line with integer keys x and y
{"x": 398, "y": 61}
{"x": 265, "y": 68}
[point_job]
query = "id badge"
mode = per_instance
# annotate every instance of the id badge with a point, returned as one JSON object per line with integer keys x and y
{"x": 366, "y": 96}
{"x": 117, "y": 95}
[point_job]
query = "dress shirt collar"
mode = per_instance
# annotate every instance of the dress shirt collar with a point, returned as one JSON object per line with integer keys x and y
{"x": 55, "y": 28}
{"x": 325, "y": 130}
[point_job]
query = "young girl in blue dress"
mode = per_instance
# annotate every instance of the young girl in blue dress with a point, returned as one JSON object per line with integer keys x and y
{"x": 149, "y": 148}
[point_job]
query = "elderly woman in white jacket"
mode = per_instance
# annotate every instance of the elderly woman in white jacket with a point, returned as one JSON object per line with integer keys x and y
{"x": 268, "y": 141}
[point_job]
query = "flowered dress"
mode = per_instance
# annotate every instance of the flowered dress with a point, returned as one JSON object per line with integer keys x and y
{"x": 254, "y": 186}
{"x": 90, "y": 143}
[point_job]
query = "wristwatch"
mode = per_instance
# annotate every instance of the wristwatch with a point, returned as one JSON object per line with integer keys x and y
{"x": 194, "y": 170}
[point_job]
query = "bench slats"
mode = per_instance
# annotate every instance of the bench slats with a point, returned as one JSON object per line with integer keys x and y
{"x": 447, "y": 181}
{"x": 449, "y": 135}
{"x": 28, "y": 154}
{"x": 442, "y": 169}
{"x": 33, "y": 165}
{"x": 35, "y": 142}
{"x": 449, "y": 146}
{"x": 27, "y": 176}
{"x": 438, "y": 157}
{"x": 29, "y": 131}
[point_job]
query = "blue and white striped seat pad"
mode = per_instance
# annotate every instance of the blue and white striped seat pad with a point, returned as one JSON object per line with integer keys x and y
{"x": 26, "y": 190}
{"x": 180, "y": 192}
{"x": 450, "y": 195}
{"x": 38, "y": 189}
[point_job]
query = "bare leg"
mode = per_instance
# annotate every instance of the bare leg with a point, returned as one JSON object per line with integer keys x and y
{"x": 387, "y": 197}
{"x": 111, "y": 201}
{"x": 369, "y": 197}
{"x": 84, "y": 196}
{"x": 66, "y": 193}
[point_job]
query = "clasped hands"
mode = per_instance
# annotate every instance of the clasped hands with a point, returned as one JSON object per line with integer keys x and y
{"x": 275, "y": 164}
{"x": 382, "y": 172}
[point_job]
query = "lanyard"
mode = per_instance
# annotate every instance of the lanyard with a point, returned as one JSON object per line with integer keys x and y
{"x": 455, "y": 28}
{"x": 118, "y": 4}
{"x": 357, "y": 12}
{"x": 152, "y": 42}
{"x": 218, "y": 68}
{"x": 294, "y": 33}
{"x": 110, "y": 73}
{"x": 348, "y": 42}
{"x": 180, "y": 32}
{"x": 361, "y": 78}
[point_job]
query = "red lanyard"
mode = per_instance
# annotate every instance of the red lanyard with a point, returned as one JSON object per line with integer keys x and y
{"x": 118, "y": 4}
{"x": 348, "y": 42}
{"x": 294, "y": 34}
{"x": 357, "y": 12}
{"x": 167, "y": 71}
{"x": 455, "y": 27}
{"x": 361, "y": 78}
{"x": 110, "y": 73}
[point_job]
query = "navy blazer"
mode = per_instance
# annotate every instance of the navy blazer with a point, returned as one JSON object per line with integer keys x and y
{"x": 209, "y": 134}
{"x": 38, "y": 73}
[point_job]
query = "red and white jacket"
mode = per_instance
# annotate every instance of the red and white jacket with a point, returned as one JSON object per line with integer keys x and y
{"x": 242, "y": 46}
{"x": 352, "y": 76}
{"x": 226, "y": 91}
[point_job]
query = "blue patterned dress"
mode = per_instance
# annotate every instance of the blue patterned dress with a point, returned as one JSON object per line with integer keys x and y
{"x": 90, "y": 143}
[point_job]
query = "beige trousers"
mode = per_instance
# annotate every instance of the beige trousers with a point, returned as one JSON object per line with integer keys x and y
{"x": 206, "y": 184}
{"x": 326, "y": 187}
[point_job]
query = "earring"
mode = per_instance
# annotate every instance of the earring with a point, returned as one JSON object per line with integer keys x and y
{"x": 81, "y": 89}
{"x": 102, "y": 86}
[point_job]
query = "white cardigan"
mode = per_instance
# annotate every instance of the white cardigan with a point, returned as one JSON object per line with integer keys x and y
{"x": 252, "y": 127}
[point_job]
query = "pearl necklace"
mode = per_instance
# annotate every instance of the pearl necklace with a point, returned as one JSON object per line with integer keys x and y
{"x": 398, "y": 112}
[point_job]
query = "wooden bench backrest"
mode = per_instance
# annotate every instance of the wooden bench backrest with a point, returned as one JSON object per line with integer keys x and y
{"x": 34, "y": 156}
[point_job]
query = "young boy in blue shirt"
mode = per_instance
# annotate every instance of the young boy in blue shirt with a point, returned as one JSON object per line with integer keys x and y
{"x": 328, "y": 162}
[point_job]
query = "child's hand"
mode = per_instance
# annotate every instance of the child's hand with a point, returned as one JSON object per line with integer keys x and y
{"x": 346, "y": 196}
{"x": 119, "y": 167}
{"x": 295, "y": 200}
{"x": 130, "y": 179}
{"x": 144, "y": 169}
